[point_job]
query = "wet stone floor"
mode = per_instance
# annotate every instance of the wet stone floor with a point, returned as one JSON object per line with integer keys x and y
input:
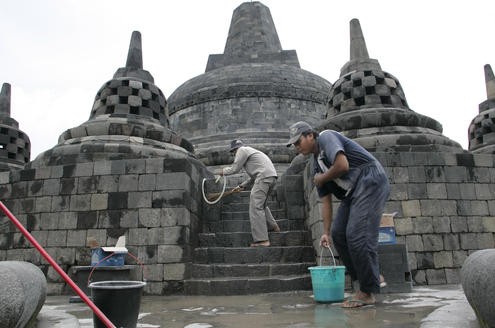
{"x": 444, "y": 306}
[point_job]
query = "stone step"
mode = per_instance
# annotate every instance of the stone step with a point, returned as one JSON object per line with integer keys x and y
{"x": 247, "y": 285}
{"x": 280, "y": 254}
{"x": 241, "y": 239}
{"x": 244, "y": 225}
{"x": 244, "y": 214}
{"x": 205, "y": 271}
{"x": 233, "y": 207}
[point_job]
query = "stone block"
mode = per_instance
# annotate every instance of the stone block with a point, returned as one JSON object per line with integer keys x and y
{"x": 117, "y": 200}
{"x": 416, "y": 174}
{"x": 67, "y": 220}
{"x": 458, "y": 257}
{"x": 436, "y": 276}
{"x": 87, "y": 184}
{"x": 433, "y": 242}
{"x": 108, "y": 183}
{"x": 49, "y": 221}
{"x": 483, "y": 191}
{"x": 411, "y": 208}
{"x": 51, "y": 187}
{"x": 80, "y": 202}
{"x": 174, "y": 271}
{"x": 459, "y": 224}
{"x": 99, "y": 201}
{"x": 455, "y": 174}
{"x": 398, "y": 192}
{"x": 140, "y": 199}
{"x": 57, "y": 238}
{"x": 422, "y": 225}
{"x": 170, "y": 253}
{"x": 414, "y": 243}
{"x": 453, "y": 190}
{"x": 485, "y": 240}
{"x": 41, "y": 237}
{"x": 147, "y": 182}
{"x": 443, "y": 259}
{"x": 474, "y": 207}
{"x": 469, "y": 241}
{"x": 102, "y": 168}
{"x": 432, "y": 207}
{"x": 43, "y": 204}
{"x": 149, "y": 217}
{"x": 425, "y": 260}
{"x": 451, "y": 242}
{"x": 171, "y": 181}
{"x": 76, "y": 238}
{"x": 453, "y": 276}
{"x": 128, "y": 182}
{"x": 416, "y": 190}
{"x": 83, "y": 170}
{"x": 441, "y": 224}
{"x": 172, "y": 216}
{"x": 436, "y": 191}
{"x": 488, "y": 223}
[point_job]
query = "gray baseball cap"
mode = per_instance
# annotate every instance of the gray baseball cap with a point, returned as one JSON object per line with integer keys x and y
{"x": 234, "y": 144}
{"x": 296, "y": 130}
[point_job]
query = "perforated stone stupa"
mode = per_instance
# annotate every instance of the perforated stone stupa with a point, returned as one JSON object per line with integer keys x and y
{"x": 482, "y": 128}
{"x": 15, "y": 147}
{"x": 253, "y": 91}
{"x": 368, "y": 105}
{"x": 129, "y": 119}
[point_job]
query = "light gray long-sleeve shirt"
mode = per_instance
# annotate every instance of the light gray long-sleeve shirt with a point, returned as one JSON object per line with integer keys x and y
{"x": 257, "y": 165}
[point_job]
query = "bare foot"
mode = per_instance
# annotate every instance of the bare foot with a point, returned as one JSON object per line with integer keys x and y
{"x": 359, "y": 299}
{"x": 265, "y": 243}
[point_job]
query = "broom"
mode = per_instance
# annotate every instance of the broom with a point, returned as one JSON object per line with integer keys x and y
{"x": 214, "y": 196}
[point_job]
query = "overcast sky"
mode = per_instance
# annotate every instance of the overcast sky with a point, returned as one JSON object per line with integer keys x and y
{"x": 56, "y": 54}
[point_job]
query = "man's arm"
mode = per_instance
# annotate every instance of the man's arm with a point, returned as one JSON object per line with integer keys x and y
{"x": 239, "y": 161}
{"x": 326, "y": 214}
{"x": 340, "y": 167}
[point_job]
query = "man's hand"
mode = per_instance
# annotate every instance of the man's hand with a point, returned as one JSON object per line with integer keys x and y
{"x": 325, "y": 241}
{"x": 238, "y": 188}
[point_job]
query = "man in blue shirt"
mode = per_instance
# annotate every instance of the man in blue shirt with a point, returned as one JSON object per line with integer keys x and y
{"x": 349, "y": 172}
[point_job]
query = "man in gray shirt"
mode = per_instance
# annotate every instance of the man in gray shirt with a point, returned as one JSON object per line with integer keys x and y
{"x": 263, "y": 176}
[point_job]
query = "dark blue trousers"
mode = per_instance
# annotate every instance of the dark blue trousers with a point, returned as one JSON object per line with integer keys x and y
{"x": 356, "y": 225}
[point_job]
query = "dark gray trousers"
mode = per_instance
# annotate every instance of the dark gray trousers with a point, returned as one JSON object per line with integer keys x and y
{"x": 356, "y": 226}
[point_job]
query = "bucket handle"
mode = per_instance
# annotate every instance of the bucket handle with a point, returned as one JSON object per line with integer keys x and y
{"x": 333, "y": 257}
{"x": 111, "y": 254}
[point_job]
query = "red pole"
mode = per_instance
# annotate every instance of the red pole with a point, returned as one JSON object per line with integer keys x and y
{"x": 54, "y": 264}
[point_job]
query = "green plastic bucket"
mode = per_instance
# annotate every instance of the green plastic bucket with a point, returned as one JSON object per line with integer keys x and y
{"x": 328, "y": 281}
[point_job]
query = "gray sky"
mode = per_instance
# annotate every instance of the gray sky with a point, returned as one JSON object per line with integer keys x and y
{"x": 56, "y": 54}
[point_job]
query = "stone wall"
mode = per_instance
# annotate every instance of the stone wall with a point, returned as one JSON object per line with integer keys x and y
{"x": 445, "y": 205}
{"x": 154, "y": 202}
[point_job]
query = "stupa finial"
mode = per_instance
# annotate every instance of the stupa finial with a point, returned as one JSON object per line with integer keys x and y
{"x": 358, "y": 44}
{"x": 135, "y": 55}
{"x": 5, "y": 100}
{"x": 490, "y": 82}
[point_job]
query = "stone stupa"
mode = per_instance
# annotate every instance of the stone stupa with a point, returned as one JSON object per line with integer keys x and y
{"x": 128, "y": 120}
{"x": 368, "y": 105}
{"x": 482, "y": 128}
{"x": 15, "y": 147}
{"x": 253, "y": 91}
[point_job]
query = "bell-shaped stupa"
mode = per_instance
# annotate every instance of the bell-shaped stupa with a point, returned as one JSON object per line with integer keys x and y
{"x": 368, "y": 105}
{"x": 482, "y": 127}
{"x": 129, "y": 119}
{"x": 15, "y": 147}
{"x": 253, "y": 91}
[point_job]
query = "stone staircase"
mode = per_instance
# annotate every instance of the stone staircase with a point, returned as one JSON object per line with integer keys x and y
{"x": 224, "y": 264}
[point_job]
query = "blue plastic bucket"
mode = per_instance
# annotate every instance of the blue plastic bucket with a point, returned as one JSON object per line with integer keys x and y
{"x": 328, "y": 282}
